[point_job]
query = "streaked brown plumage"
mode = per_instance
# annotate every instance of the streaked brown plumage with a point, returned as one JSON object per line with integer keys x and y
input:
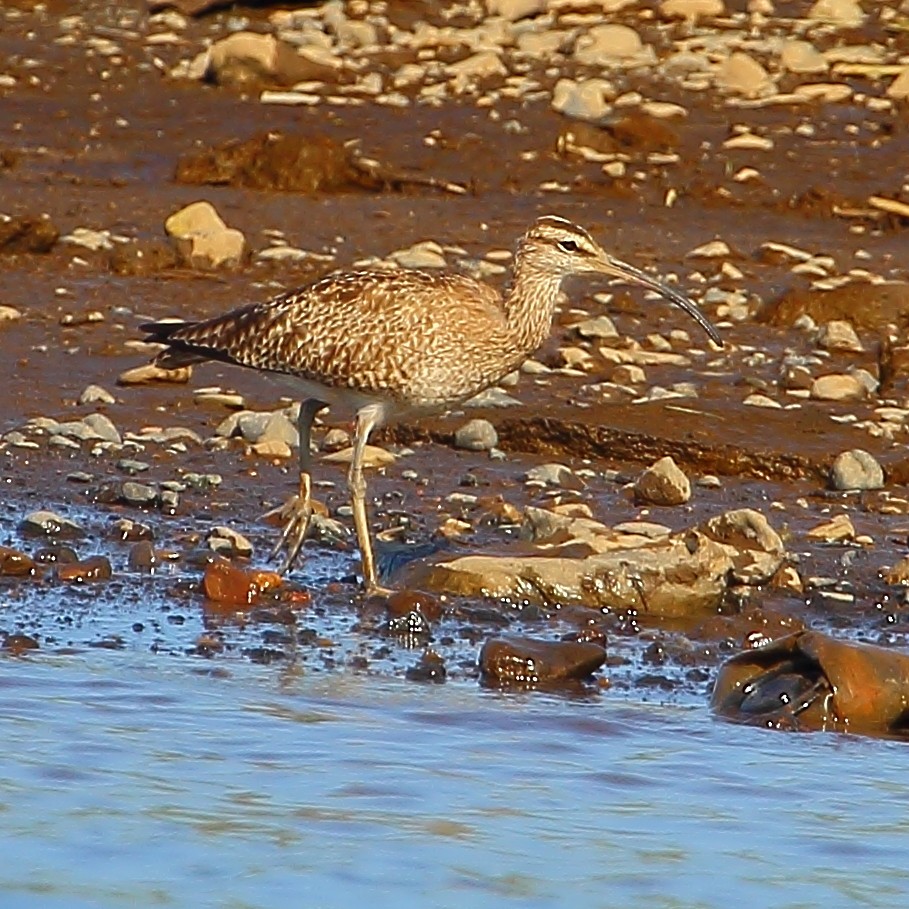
{"x": 398, "y": 343}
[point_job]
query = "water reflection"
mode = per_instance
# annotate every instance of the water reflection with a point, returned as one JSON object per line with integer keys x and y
{"x": 130, "y": 783}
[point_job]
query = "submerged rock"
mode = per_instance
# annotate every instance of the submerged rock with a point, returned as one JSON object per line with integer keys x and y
{"x": 519, "y": 660}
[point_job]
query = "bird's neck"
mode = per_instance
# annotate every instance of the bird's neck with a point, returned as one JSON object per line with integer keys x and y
{"x": 530, "y": 301}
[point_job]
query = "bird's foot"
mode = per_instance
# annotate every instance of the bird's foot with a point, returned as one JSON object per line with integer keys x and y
{"x": 302, "y": 519}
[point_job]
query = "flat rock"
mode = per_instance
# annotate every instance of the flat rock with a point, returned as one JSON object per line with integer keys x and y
{"x": 838, "y": 387}
{"x": 842, "y": 13}
{"x": 682, "y": 574}
{"x": 50, "y": 524}
{"x": 839, "y": 335}
{"x": 95, "y": 394}
{"x": 197, "y": 218}
{"x": 519, "y": 660}
{"x": 856, "y": 469}
{"x": 802, "y": 57}
{"x": 692, "y": 9}
{"x": 141, "y": 375}
{"x": 103, "y": 427}
{"x": 835, "y": 530}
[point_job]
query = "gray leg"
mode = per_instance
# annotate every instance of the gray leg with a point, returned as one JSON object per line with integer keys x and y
{"x": 299, "y": 509}
{"x": 367, "y": 419}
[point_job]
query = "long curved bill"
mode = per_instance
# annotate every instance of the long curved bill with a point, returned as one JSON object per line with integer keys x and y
{"x": 619, "y": 269}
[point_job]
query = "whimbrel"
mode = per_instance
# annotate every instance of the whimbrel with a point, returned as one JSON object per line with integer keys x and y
{"x": 398, "y": 343}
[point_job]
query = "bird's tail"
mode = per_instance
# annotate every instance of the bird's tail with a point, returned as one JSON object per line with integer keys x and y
{"x": 179, "y": 352}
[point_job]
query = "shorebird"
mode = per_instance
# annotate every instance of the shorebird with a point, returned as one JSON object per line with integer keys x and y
{"x": 398, "y": 343}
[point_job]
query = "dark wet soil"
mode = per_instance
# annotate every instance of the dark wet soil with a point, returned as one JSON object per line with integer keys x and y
{"x": 112, "y": 147}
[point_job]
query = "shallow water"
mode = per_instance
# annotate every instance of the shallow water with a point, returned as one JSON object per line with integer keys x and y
{"x": 130, "y": 782}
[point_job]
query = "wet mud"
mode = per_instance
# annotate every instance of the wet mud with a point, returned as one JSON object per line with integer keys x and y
{"x": 104, "y": 145}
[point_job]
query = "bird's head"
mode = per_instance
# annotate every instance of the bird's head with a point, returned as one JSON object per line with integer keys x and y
{"x": 558, "y": 247}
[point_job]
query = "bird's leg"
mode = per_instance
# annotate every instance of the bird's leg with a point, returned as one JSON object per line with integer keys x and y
{"x": 298, "y": 511}
{"x": 367, "y": 419}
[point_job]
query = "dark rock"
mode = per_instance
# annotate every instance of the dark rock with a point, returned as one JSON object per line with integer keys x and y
{"x": 431, "y": 668}
{"x": 142, "y": 556}
{"x": 138, "y": 493}
{"x": 19, "y": 643}
{"x": 519, "y": 660}
{"x": 28, "y": 235}
{"x": 15, "y": 563}
{"x": 50, "y": 524}
{"x": 95, "y": 568}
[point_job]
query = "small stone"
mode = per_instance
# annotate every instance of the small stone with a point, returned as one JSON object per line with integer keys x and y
{"x": 103, "y": 427}
{"x": 838, "y": 387}
{"x": 519, "y": 660}
{"x": 142, "y": 556}
{"x": 598, "y": 327}
{"x": 272, "y": 448}
{"x": 899, "y": 87}
{"x": 839, "y": 335}
{"x": 856, "y": 469}
{"x": 9, "y": 314}
{"x": 585, "y": 100}
{"x": 714, "y": 249}
{"x": 138, "y": 494}
{"x": 227, "y": 541}
{"x": 229, "y": 586}
{"x": 836, "y": 530}
{"x": 95, "y": 394}
{"x": 692, "y": 10}
{"x": 95, "y": 568}
{"x": 14, "y": 563}
{"x": 373, "y": 456}
{"x": 802, "y": 57}
{"x": 93, "y": 240}
{"x": 842, "y": 13}
{"x": 554, "y": 475}
{"x": 741, "y": 74}
{"x": 50, "y": 524}
{"x": 663, "y": 483}
{"x": 629, "y": 374}
{"x": 604, "y": 45}
{"x": 335, "y": 439}
{"x": 476, "y": 435}
{"x": 514, "y": 10}
{"x": 132, "y": 466}
{"x": 142, "y": 375}
{"x": 197, "y": 218}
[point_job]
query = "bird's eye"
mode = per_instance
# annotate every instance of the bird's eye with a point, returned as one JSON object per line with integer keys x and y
{"x": 569, "y": 246}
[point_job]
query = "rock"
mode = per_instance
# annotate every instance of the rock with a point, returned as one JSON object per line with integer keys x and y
{"x": 867, "y": 306}
{"x": 335, "y": 439}
{"x": 141, "y": 375}
{"x": 856, "y": 469}
{"x": 678, "y": 575}
{"x": 103, "y": 427}
{"x": 839, "y": 335}
{"x": 899, "y": 87}
{"x": 663, "y": 483}
{"x": 373, "y": 457}
{"x": 513, "y": 10}
{"x": 692, "y": 9}
{"x": 9, "y": 314}
{"x": 834, "y": 531}
{"x": 741, "y": 74}
{"x": 838, "y": 387}
{"x": 203, "y": 239}
{"x": 261, "y": 426}
{"x": 519, "y": 660}
{"x": 541, "y": 525}
{"x": 430, "y": 668}
{"x": 227, "y": 541}
{"x": 604, "y": 45}
{"x": 426, "y": 254}
{"x": 18, "y": 643}
{"x": 899, "y": 573}
{"x": 95, "y": 394}
{"x": 225, "y": 585}
{"x": 554, "y": 475}
{"x": 629, "y": 374}
{"x": 802, "y": 57}
{"x": 137, "y": 494}
{"x": 27, "y": 235}
{"x": 197, "y": 218}
{"x": 585, "y": 100}
{"x": 272, "y": 448}
{"x": 476, "y": 435}
{"x": 142, "y": 556}
{"x": 484, "y": 65}
{"x": 842, "y": 13}
{"x": 598, "y": 327}
{"x": 50, "y": 524}
{"x": 250, "y": 59}
{"x": 95, "y": 568}
{"x": 93, "y": 240}
{"x": 14, "y": 563}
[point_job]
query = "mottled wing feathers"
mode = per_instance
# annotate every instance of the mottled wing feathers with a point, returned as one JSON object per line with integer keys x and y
{"x": 404, "y": 333}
